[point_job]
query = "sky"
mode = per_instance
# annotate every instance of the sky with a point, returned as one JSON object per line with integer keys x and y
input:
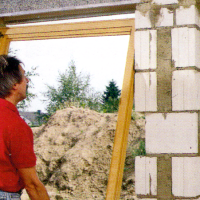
{"x": 103, "y": 58}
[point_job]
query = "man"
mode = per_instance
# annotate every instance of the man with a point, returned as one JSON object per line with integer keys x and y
{"x": 17, "y": 157}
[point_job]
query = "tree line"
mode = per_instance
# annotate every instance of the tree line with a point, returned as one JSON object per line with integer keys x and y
{"x": 74, "y": 89}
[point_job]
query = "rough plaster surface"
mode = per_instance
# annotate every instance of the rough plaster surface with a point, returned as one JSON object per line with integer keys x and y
{"x": 165, "y": 2}
{"x": 164, "y": 70}
{"x": 147, "y": 13}
{"x": 9, "y": 6}
{"x": 166, "y": 17}
{"x": 187, "y": 3}
{"x": 164, "y": 170}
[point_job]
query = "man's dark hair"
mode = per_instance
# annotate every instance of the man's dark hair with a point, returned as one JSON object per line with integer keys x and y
{"x": 9, "y": 74}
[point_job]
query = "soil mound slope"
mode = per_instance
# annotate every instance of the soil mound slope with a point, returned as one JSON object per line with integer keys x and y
{"x": 74, "y": 151}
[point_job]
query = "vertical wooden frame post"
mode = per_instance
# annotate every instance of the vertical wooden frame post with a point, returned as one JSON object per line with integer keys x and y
{"x": 4, "y": 41}
{"x": 122, "y": 129}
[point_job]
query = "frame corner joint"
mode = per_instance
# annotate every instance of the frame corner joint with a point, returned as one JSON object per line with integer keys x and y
{"x": 1, "y": 35}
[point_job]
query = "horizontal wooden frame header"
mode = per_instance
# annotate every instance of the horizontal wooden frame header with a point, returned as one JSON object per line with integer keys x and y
{"x": 109, "y": 7}
{"x": 69, "y": 30}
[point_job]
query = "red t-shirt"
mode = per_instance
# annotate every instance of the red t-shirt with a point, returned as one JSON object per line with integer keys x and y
{"x": 16, "y": 147}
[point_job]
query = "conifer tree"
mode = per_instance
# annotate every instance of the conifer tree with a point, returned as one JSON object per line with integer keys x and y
{"x": 110, "y": 97}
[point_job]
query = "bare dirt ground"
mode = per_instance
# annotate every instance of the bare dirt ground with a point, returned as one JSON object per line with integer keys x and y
{"x": 74, "y": 151}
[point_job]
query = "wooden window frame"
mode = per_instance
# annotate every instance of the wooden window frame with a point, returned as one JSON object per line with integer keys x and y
{"x": 92, "y": 29}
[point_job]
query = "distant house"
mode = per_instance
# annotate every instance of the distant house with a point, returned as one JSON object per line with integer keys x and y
{"x": 31, "y": 118}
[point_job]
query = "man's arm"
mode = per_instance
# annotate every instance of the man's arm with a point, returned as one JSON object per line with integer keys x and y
{"x": 33, "y": 185}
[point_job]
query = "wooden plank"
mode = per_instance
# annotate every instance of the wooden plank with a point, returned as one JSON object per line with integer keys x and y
{"x": 70, "y": 26}
{"x": 122, "y": 130}
{"x": 71, "y": 34}
{"x": 71, "y": 30}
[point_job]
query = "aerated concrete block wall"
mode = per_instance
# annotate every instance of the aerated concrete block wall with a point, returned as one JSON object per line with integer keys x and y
{"x": 167, "y": 90}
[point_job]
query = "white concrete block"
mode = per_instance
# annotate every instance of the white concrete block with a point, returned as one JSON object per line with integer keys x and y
{"x": 145, "y": 175}
{"x": 142, "y": 20}
{"x": 185, "y": 90}
{"x": 164, "y": 2}
{"x": 166, "y": 18}
{"x": 175, "y": 46}
{"x": 178, "y": 90}
{"x": 171, "y": 133}
{"x": 187, "y": 15}
{"x": 186, "y": 47}
{"x": 146, "y": 49}
{"x": 146, "y": 91}
{"x": 186, "y": 176}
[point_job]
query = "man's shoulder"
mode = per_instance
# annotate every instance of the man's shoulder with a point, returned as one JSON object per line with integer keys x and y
{"x": 8, "y": 116}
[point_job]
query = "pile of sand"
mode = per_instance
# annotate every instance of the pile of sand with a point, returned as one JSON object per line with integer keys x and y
{"x": 74, "y": 151}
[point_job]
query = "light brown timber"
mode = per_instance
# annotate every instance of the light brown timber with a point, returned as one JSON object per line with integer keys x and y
{"x": 122, "y": 130}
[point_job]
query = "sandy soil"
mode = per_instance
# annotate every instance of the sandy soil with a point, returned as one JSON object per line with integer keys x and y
{"x": 74, "y": 151}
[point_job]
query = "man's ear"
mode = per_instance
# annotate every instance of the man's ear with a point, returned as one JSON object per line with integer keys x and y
{"x": 15, "y": 86}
